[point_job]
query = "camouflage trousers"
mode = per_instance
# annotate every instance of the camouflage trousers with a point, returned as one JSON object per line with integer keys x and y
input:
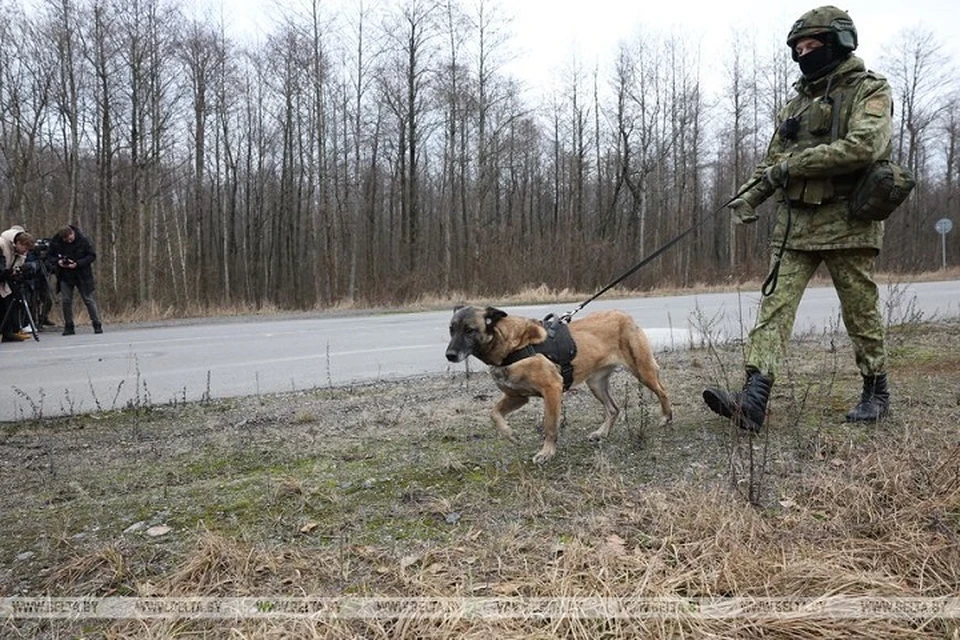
{"x": 852, "y": 274}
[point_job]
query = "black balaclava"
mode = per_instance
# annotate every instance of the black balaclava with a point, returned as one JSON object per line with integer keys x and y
{"x": 823, "y": 60}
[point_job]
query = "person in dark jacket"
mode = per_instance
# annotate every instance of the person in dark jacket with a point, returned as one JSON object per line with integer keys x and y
{"x": 72, "y": 254}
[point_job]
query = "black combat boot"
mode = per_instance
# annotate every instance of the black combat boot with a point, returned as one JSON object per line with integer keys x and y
{"x": 874, "y": 400}
{"x": 747, "y": 408}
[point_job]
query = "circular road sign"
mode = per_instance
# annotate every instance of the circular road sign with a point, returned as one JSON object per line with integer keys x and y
{"x": 943, "y": 226}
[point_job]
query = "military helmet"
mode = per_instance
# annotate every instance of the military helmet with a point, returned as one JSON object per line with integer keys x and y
{"x": 824, "y": 20}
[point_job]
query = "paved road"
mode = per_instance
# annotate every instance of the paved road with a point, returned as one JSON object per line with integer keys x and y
{"x": 158, "y": 364}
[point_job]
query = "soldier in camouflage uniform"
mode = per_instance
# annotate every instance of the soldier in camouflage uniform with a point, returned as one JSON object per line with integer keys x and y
{"x": 837, "y": 125}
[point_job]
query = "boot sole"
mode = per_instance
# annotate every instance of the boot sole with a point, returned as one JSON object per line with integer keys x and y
{"x": 721, "y": 408}
{"x": 717, "y": 405}
{"x": 856, "y": 420}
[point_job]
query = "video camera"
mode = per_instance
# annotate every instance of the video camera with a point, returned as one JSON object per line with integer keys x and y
{"x": 36, "y": 261}
{"x": 42, "y": 248}
{"x": 11, "y": 276}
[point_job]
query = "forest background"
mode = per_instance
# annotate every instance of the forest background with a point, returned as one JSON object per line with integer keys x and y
{"x": 377, "y": 155}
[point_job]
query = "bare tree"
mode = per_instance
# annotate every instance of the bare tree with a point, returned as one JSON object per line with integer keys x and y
{"x": 102, "y": 52}
{"x": 919, "y": 74}
{"x": 199, "y": 52}
{"x": 951, "y": 151}
{"x": 739, "y": 92}
{"x": 228, "y": 141}
{"x": 64, "y": 38}
{"x": 360, "y": 58}
{"x": 454, "y": 93}
{"x": 918, "y": 70}
{"x": 404, "y": 90}
{"x": 26, "y": 88}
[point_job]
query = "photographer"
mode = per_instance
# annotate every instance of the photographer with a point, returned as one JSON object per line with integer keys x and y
{"x": 15, "y": 243}
{"x": 72, "y": 253}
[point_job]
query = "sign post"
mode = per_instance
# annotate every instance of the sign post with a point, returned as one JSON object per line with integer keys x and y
{"x": 943, "y": 227}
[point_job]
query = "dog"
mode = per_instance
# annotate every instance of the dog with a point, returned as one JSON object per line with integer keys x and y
{"x": 604, "y": 340}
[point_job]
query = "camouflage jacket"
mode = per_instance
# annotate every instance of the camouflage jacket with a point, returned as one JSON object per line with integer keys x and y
{"x": 837, "y": 139}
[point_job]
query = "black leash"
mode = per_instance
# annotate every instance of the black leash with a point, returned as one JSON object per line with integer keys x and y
{"x": 770, "y": 284}
{"x": 629, "y": 272}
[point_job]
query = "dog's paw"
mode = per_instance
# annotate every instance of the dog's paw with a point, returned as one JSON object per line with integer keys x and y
{"x": 543, "y": 456}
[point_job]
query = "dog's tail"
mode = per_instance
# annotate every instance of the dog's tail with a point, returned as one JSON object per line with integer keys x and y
{"x": 638, "y": 356}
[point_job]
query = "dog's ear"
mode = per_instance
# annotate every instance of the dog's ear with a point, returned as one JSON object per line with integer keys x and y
{"x": 458, "y": 307}
{"x": 534, "y": 333}
{"x": 492, "y": 316}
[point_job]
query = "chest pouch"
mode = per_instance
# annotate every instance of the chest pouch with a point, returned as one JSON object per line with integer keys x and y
{"x": 789, "y": 129}
{"x": 820, "y": 117}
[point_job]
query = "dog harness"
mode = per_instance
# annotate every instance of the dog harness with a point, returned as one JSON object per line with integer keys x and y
{"x": 559, "y": 348}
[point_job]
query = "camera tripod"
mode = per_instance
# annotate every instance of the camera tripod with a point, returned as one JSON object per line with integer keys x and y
{"x": 20, "y": 301}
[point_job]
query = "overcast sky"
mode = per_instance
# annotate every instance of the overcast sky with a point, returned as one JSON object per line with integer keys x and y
{"x": 545, "y": 33}
{"x": 551, "y": 27}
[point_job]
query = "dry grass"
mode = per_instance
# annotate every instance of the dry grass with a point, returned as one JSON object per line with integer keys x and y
{"x": 885, "y": 526}
{"x": 403, "y": 489}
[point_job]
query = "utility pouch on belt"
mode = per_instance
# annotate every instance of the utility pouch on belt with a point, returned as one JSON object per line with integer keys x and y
{"x": 880, "y": 191}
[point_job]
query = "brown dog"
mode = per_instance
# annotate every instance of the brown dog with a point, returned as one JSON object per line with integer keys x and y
{"x": 604, "y": 340}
